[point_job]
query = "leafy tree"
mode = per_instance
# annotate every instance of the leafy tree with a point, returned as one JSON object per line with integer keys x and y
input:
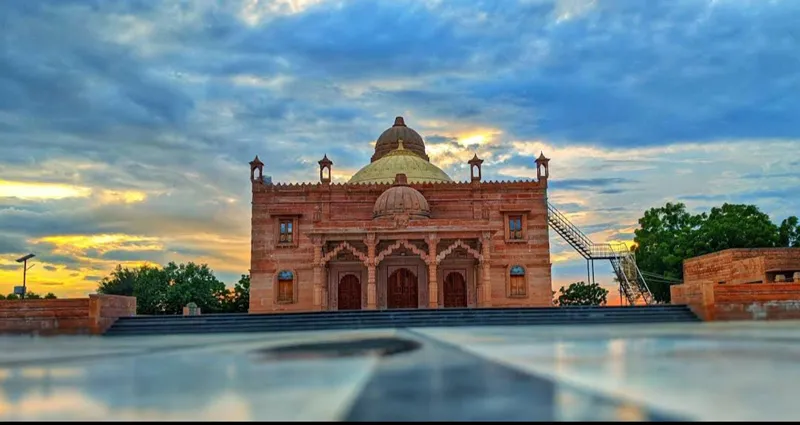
{"x": 581, "y": 293}
{"x": 120, "y": 282}
{"x": 50, "y": 296}
{"x": 167, "y": 290}
{"x": 12, "y": 297}
{"x": 789, "y": 233}
{"x": 735, "y": 226}
{"x": 32, "y": 296}
{"x": 238, "y": 301}
{"x": 663, "y": 240}
{"x": 193, "y": 283}
{"x": 151, "y": 290}
{"x": 2, "y": 297}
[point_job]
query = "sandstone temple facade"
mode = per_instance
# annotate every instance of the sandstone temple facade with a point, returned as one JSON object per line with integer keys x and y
{"x": 400, "y": 234}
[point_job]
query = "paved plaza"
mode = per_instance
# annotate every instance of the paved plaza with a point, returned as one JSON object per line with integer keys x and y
{"x": 682, "y": 371}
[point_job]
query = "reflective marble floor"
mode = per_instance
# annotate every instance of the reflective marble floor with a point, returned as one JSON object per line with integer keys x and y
{"x": 692, "y": 371}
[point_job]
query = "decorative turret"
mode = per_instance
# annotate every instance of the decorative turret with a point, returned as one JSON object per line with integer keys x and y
{"x": 475, "y": 163}
{"x": 256, "y": 170}
{"x": 542, "y": 167}
{"x": 325, "y": 169}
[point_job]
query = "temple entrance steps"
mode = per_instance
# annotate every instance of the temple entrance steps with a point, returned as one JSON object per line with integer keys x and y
{"x": 372, "y": 319}
{"x": 631, "y": 280}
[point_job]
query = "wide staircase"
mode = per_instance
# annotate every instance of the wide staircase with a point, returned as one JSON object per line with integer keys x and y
{"x": 375, "y": 319}
{"x": 631, "y": 280}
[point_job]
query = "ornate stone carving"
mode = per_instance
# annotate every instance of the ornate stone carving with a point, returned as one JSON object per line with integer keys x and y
{"x": 401, "y": 221}
{"x": 344, "y": 245}
{"x": 458, "y": 244}
{"x": 402, "y": 242}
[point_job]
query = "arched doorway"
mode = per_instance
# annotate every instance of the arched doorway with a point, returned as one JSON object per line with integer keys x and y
{"x": 402, "y": 290}
{"x": 349, "y": 293}
{"x": 455, "y": 290}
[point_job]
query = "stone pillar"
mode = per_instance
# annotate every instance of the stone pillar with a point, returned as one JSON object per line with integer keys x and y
{"x": 372, "y": 289}
{"x": 486, "y": 275}
{"x": 326, "y": 298}
{"x": 318, "y": 302}
{"x": 433, "y": 282}
{"x": 796, "y": 277}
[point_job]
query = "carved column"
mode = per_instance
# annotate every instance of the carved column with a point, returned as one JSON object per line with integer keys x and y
{"x": 326, "y": 298}
{"x": 433, "y": 283}
{"x": 485, "y": 293}
{"x": 372, "y": 290}
{"x": 318, "y": 300}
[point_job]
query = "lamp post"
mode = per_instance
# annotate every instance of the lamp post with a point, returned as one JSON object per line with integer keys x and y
{"x": 24, "y": 261}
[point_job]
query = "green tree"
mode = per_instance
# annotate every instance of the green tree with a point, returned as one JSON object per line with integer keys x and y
{"x": 789, "y": 233}
{"x": 12, "y": 297}
{"x": 121, "y": 281}
{"x": 50, "y": 296}
{"x": 32, "y": 296}
{"x": 581, "y": 293}
{"x": 238, "y": 300}
{"x": 2, "y": 297}
{"x": 193, "y": 283}
{"x": 663, "y": 240}
{"x": 734, "y": 226}
{"x": 150, "y": 289}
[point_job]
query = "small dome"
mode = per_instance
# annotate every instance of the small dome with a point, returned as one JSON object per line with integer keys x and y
{"x": 387, "y": 141}
{"x": 401, "y": 199}
{"x": 400, "y": 161}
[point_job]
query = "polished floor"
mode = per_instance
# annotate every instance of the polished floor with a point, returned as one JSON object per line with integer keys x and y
{"x": 692, "y": 371}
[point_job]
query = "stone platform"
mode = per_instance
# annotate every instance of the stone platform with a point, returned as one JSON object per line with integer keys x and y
{"x": 676, "y": 371}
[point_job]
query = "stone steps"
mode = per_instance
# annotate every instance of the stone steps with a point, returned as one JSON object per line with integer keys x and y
{"x": 372, "y": 319}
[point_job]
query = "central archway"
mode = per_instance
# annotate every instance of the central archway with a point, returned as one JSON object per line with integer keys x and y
{"x": 349, "y": 293}
{"x": 402, "y": 290}
{"x": 455, "y": 290}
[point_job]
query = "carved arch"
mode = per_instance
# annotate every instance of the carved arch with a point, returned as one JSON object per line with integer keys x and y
{"x": 344, "y": 245}
{"x": 402, "y": 242}
{"x": 458, "y": 243}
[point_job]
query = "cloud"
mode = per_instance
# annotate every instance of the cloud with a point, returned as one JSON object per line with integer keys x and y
{"x": 141, "y": 122}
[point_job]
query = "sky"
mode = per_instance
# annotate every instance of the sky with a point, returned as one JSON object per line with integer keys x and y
{"x": 126, "y": 126}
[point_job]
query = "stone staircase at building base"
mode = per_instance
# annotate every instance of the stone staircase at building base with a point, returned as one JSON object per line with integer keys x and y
{"x": 374, "y": 319}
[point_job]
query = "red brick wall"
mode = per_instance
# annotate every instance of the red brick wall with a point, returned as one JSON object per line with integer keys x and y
{"x": 349, "y": 207}
{"x": 741, "y": 265}
{"x": 772, "y": 301}
{"x": 91, "y": 315}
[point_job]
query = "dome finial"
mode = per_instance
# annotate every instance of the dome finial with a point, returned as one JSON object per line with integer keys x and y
{"x": 399, "y": 122}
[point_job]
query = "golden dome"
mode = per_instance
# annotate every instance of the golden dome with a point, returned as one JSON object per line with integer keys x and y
{"x": 401, "y": 199}
{"x": 388, "y": 141}
{"x": 400, "y": 161}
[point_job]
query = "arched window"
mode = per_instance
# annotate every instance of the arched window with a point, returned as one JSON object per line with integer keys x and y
{"x": 285, "y": 287}
{"x": 517, "y": 284}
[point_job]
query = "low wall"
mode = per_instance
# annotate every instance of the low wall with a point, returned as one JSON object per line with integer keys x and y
{"x": 75, "y": 316}
{"x": 766, "y": 301}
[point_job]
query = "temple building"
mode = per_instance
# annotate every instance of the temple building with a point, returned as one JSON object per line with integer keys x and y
{"x": 400, "y": 234}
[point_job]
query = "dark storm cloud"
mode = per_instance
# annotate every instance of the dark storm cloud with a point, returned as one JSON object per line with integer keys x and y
{"x": 591, "y": 184}
{"x": 124, "y": 255}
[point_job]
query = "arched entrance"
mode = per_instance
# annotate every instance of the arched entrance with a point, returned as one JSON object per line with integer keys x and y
{"x": 402, "y": 290}
{"x": 455, "y": 290}
{"x": 349, "y": 293}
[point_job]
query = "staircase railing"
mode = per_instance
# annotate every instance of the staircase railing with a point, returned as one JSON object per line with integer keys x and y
{"x": 632, "y": 282}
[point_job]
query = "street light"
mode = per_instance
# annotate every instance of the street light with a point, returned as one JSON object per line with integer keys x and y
{"x": 24, "y": 261}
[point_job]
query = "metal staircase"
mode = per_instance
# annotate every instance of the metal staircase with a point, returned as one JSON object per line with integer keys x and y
{"x": 632, "y": 283}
